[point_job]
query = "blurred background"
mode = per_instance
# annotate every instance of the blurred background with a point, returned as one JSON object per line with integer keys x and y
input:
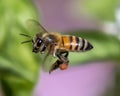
{"x": 92, "y": 73}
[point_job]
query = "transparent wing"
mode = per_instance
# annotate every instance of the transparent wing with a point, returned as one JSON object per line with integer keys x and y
{"x": 46, "y": 61}
{"x": 47, "y": 58}
{"x": 35, "y": 27}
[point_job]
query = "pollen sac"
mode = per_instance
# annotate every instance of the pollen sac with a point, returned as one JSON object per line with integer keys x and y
{"x": 63, "y": 66}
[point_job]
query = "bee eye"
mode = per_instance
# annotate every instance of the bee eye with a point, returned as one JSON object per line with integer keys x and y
{"x": 39, "y": 42}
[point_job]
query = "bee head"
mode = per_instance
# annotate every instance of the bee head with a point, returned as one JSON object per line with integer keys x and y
{"x": 37, "y": 42}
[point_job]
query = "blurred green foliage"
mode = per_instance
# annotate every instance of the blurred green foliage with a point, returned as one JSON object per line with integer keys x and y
{"x": 18, "y": 68}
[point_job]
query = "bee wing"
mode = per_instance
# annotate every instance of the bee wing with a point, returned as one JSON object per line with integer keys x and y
{"x": 47, "y": 61}
{"x": 35, "y": 27}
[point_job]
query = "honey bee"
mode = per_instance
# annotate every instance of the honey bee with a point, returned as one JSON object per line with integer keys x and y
{"x": 57, "y": 45}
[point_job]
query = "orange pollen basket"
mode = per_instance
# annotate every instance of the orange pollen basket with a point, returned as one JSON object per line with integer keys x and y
{"x": 63, "y": 66}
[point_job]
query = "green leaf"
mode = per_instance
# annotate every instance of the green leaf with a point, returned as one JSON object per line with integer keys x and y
{"x": 18, "y": 65}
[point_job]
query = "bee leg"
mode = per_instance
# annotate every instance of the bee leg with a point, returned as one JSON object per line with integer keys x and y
{"x": 62, "y": 61}
{"x": 55, "y": 65}
{"x": 55, "y": 51}
{"x": 64, "y": 53}
{"x": 63, "y": 56}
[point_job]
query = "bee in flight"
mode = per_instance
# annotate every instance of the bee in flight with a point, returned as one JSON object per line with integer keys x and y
{"x": 56, "y": 44}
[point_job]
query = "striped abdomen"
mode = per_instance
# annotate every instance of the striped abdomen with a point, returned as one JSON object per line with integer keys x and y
{"x": 73, "y": 43}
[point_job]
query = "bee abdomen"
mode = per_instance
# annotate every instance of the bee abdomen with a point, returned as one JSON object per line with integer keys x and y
{"x": 73, "y": 43}
{"x": 82, "y": 44}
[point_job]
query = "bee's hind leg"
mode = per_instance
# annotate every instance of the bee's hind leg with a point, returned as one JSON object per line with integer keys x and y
{"x": 63, "y": 56}
{"x": 62, "y": 61}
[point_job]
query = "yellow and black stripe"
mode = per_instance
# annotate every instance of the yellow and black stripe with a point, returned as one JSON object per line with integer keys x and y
{"x": 73, "y": 43}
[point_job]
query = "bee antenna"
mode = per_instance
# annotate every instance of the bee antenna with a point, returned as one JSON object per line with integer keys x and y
{"x": 26, "y": 41}
{"x": 25, "y": 35}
